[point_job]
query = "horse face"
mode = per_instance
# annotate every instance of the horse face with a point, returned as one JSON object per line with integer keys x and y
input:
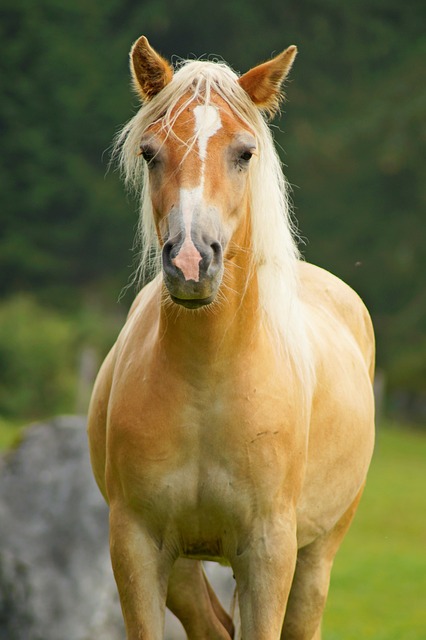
{"x": 199, "y": 182}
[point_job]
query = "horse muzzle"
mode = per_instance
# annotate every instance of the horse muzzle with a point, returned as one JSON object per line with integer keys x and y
{"x": 192, "y": 270}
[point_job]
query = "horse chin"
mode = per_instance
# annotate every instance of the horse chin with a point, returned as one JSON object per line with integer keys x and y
{"x": 193, "y": 303}
{"x": 191, "y": 294}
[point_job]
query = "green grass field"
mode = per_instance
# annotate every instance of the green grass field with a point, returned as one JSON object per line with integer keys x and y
{"x": 378, "y": 586}
{"x": 9, "y": 434}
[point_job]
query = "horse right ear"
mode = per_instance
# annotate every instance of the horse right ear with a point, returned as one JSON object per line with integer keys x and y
{"x": 150, "y": 72}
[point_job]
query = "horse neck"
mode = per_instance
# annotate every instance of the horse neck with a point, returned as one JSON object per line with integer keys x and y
{"x": 232, "y": 322}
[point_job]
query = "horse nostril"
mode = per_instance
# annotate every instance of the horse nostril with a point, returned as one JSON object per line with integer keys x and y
{"x": 214, "y": 260}
{"x": 168, "y": 254}
{"x": 216, "y": 248}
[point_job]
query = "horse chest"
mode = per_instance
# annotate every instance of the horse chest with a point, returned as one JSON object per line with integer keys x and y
{"x": 203, "y": 456}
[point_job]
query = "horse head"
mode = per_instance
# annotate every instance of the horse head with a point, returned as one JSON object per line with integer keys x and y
{"x": 198, "y": 149}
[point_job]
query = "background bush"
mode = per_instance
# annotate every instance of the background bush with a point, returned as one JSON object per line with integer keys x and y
{"x": 41, "y": 353}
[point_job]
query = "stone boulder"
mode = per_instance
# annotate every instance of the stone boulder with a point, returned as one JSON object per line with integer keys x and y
{"x": 56, "y": 581}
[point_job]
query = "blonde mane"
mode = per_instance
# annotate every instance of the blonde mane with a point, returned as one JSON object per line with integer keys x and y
{"x": 275, "y": 253}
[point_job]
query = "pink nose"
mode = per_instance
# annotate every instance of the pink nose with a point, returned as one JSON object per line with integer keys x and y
{"x": 192, "y": 261}
{"x": 193, "y": 270}
{"x": 188, "y": 260}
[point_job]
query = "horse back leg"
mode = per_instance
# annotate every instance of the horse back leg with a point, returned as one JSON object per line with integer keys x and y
{"x": 191, "y": 598}
{"x": 311, "y": 581}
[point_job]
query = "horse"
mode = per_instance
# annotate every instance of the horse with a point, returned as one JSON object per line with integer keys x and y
{"x": 233, "y": 420}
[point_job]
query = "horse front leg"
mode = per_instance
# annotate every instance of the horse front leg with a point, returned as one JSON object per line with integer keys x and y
{"x": 191, "y": 598}
{"x": 141, "y": 570}
{"x": 264, "y": 570}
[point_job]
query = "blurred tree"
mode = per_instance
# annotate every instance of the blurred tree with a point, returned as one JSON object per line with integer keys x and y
{"x": 354, "y": 136}
{"x": 357, "y": 153}
{"x": 63, "y": 222}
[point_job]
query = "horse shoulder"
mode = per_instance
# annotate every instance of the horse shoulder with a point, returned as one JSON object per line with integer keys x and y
{"x": 97, "y": 419}
{"x": 137, "y": 323}
{"x": 326, "y": 292}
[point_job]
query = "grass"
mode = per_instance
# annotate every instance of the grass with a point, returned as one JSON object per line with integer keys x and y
{"x": 378, "y": 587}
{"x": 10, "y": 433}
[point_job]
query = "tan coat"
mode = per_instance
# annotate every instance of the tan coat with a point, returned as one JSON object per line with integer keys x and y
{"x": 206, "y": 439}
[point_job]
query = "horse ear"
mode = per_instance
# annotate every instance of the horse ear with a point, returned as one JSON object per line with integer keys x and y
{"x": 263, "y": 83}
{"x": 150, "y": 72}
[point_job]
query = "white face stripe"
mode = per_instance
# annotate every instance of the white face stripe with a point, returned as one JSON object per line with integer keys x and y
{"x": 207, "y": 124}
{"x": 188, "y": 259}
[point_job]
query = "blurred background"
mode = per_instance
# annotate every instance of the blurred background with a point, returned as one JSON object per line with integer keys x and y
{"x": 351, "y": 136}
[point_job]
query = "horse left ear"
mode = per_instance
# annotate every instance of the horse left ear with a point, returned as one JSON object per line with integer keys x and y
{"x": 263, "y": 83}
{"x": 150, "y": 72}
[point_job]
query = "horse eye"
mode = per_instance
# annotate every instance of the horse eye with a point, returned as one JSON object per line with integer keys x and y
{"x": 246, "y": 156}
{"x": 148, "y": 155}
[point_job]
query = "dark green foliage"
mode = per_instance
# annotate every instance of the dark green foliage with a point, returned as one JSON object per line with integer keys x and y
{"x": 354, "y": 133}
{"x": 40, "y": 354}
{"x": 63, "y": 221}
{"x": 37, "y": 361}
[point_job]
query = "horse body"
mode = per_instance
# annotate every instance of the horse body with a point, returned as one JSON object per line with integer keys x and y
{"x": 204, "y": 439}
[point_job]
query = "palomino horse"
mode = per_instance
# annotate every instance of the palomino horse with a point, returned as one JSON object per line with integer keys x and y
{"x": 233, "y": 418}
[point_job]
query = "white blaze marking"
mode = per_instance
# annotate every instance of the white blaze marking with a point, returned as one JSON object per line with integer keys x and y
{"x": 188, "y": 259}
{"x": 207, "y": 124}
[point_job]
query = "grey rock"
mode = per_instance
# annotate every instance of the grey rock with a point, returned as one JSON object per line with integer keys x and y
{"x": 56, "y": 581}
